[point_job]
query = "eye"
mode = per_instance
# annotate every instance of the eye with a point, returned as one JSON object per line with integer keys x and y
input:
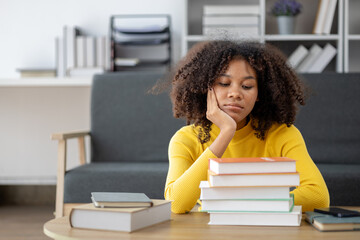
{"x": 224, "y": 84}
{"x": 247, "y": 87}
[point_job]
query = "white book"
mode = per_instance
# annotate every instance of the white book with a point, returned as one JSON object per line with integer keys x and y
{"x": 90, "y": 52}
{"x": 252, "y": 180}
{"x": 292, "y": 218}
{"x": 100, "y": 51}
{"x": 329, "y": 16}
{"x": 208, "y": 192}
{"x": 87, "y": 216}
{"x": 323, "y": 59}
{"x": 320, "y": 17}
{"x": 85, "y": 72}
{"x": 297, "y": 56}
{"x": 60, "y": 58}
{"x": 70, "y": 34}
{"x": 107, "y": 53}
{"x": 253, "y": 205}
{"x": 234, "y": 31}
{"x": 314, "y": 52}
{"x": 231, "y": 9}
{"x": 230, "y": 20}
{"x": 80, "y": 51}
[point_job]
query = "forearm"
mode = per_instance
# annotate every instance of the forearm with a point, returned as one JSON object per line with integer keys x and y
{"x": 184, "y": 190}
{"x": 220, "y": 144}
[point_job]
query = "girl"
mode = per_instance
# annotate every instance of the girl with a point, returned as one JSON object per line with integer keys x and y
{"x": 241, "y": 100}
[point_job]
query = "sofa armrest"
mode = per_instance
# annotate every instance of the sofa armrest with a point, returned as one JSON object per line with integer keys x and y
{"x": 61, "y": 163}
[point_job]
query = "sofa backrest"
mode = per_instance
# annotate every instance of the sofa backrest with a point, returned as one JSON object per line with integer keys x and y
{"x": 330, "y": 120}
{"x": 128, "y": 123}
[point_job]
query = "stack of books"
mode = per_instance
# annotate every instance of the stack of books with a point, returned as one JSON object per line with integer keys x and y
{"x": 119, "y": 211}
{"x": 251, "y": 191}
{"x": 238, "y": 21}
{"x": 313, "y": 60}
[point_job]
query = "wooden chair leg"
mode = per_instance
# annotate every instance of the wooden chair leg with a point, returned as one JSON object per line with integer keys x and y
{"x": 61, "y": 168}
{"x": 82, "y": 154}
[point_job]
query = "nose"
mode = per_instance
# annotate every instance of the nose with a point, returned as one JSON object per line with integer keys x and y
{"x": 235, "y": 92}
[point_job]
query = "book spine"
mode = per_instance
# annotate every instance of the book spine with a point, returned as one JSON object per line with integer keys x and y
{"x": 100, "y": 52}
{"x": 329, "y": 16}
{"x": 320, "y": 17}
{"x": 90, "y": 52}
{"x": 80, "y": 51}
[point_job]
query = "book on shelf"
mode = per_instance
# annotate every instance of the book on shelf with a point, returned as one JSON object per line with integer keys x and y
{"x": 325, "y": 222}
{"x": 60, "y": 57}
{"x": 297, "y": 56}
{"x": 320, "y": 16}
{"x": 36, "y": 72}
{"x": 85, "y": 72}
{"x": 208, "y": 192}
{"x": 314, "y": 52}
{"x": 252, "y": 205}
{"x": 329, "y": 16}
{"x": 214, "y": 20}
{"x": 90, "y": 52}
{"x": 237, "y": 31}
{"x": 80, "y": 51}
{"x": 251, "y": 180}
{"x": 252, "y": 165}
{"x": 70, "y": 33}
{"x": 292, "y": 218}
{"x": 323, "y": 59}
{"x": 100, "y": 51}
{"x": 231, "y": 9}
{"x": 120, "y": 199}
{"x": 88, "y": 216}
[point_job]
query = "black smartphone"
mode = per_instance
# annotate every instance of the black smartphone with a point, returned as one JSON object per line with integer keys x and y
{"x": 338, "y": 212}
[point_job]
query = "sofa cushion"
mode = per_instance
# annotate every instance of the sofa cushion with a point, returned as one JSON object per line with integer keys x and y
{"x": 330, "y": 120}
{"x": 142, "y": 177}
{"x": 127, "y": 123}
{"x": 343, "y": 181}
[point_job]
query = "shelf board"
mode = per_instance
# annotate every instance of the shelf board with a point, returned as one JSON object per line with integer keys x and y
{"x": 301, "y": 37}
{"x": 199, "y": 38}
{"x": 277, "y": 37}
{"x": 46, "y": 82}
{"x": 354, "y": 37}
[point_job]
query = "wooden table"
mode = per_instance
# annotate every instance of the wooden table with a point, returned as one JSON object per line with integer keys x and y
{"x": 195, "y": 226}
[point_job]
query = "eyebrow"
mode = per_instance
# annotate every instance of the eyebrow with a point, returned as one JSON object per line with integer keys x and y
{"x": 229, "y": 76}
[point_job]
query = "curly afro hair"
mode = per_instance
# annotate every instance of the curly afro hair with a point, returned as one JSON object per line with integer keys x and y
{"x": 280, "y": 90}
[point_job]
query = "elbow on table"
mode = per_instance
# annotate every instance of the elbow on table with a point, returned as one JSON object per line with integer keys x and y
{"x": 178, "y": 205}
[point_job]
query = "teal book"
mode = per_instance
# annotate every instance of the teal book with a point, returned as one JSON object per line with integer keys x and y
{"x": 120, "y": 199}
{"x": 325, "y": 222}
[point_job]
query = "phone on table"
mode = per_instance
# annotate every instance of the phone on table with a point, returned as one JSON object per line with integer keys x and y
{"x": 338, "y": 212}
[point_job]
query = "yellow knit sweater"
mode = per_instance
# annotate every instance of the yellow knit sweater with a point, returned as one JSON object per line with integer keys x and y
{"x": 188, "y": 163}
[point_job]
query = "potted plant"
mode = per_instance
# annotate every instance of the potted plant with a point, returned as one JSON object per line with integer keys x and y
{"x": 286, "y": 11}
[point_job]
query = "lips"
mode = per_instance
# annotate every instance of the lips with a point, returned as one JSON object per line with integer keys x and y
{"x": 234, "y": 106}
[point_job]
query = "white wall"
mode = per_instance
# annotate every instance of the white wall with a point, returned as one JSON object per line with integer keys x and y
{"x": 28, "y": 28}
{"x": 28, "y": 115}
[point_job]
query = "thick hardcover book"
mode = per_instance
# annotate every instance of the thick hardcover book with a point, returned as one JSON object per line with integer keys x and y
{"x": 252, "y": 165}
{"x": 323, "y": 59}
{"x": 120, "y": 199}
{"x": 208, "y": 192}
{"x": 248, "y": 205}
{"x": 119, "y": 219}
{"x": 310, "y": 58}
{"x": 325, "y": 222}
{"x": 251, "y": 180}
{"x": 298, "y": 55}
{"x": 292, "y": 218}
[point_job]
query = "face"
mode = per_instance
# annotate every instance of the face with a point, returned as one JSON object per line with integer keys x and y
{"x": 237, "y": 91}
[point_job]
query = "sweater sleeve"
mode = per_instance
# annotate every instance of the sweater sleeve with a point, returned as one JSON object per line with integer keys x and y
{"x": 312, "y": 192}
{"x": 187, "y": 167}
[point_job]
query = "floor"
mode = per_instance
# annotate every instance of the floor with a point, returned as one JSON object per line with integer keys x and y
{"x": 24, "y": 221}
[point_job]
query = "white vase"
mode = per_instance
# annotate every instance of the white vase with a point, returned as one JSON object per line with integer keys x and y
{"x": 286, "y": 24}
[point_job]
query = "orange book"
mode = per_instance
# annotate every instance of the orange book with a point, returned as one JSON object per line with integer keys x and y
{"x": 252, "y": 165}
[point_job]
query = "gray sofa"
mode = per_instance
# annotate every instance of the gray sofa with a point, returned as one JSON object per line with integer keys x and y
{"x": 130, "y": 131}
{"x": 330, "y": 124}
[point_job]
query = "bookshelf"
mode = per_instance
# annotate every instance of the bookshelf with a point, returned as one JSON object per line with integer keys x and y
{"x": 351, "y": 35}
{"x": 192, "y": 32}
